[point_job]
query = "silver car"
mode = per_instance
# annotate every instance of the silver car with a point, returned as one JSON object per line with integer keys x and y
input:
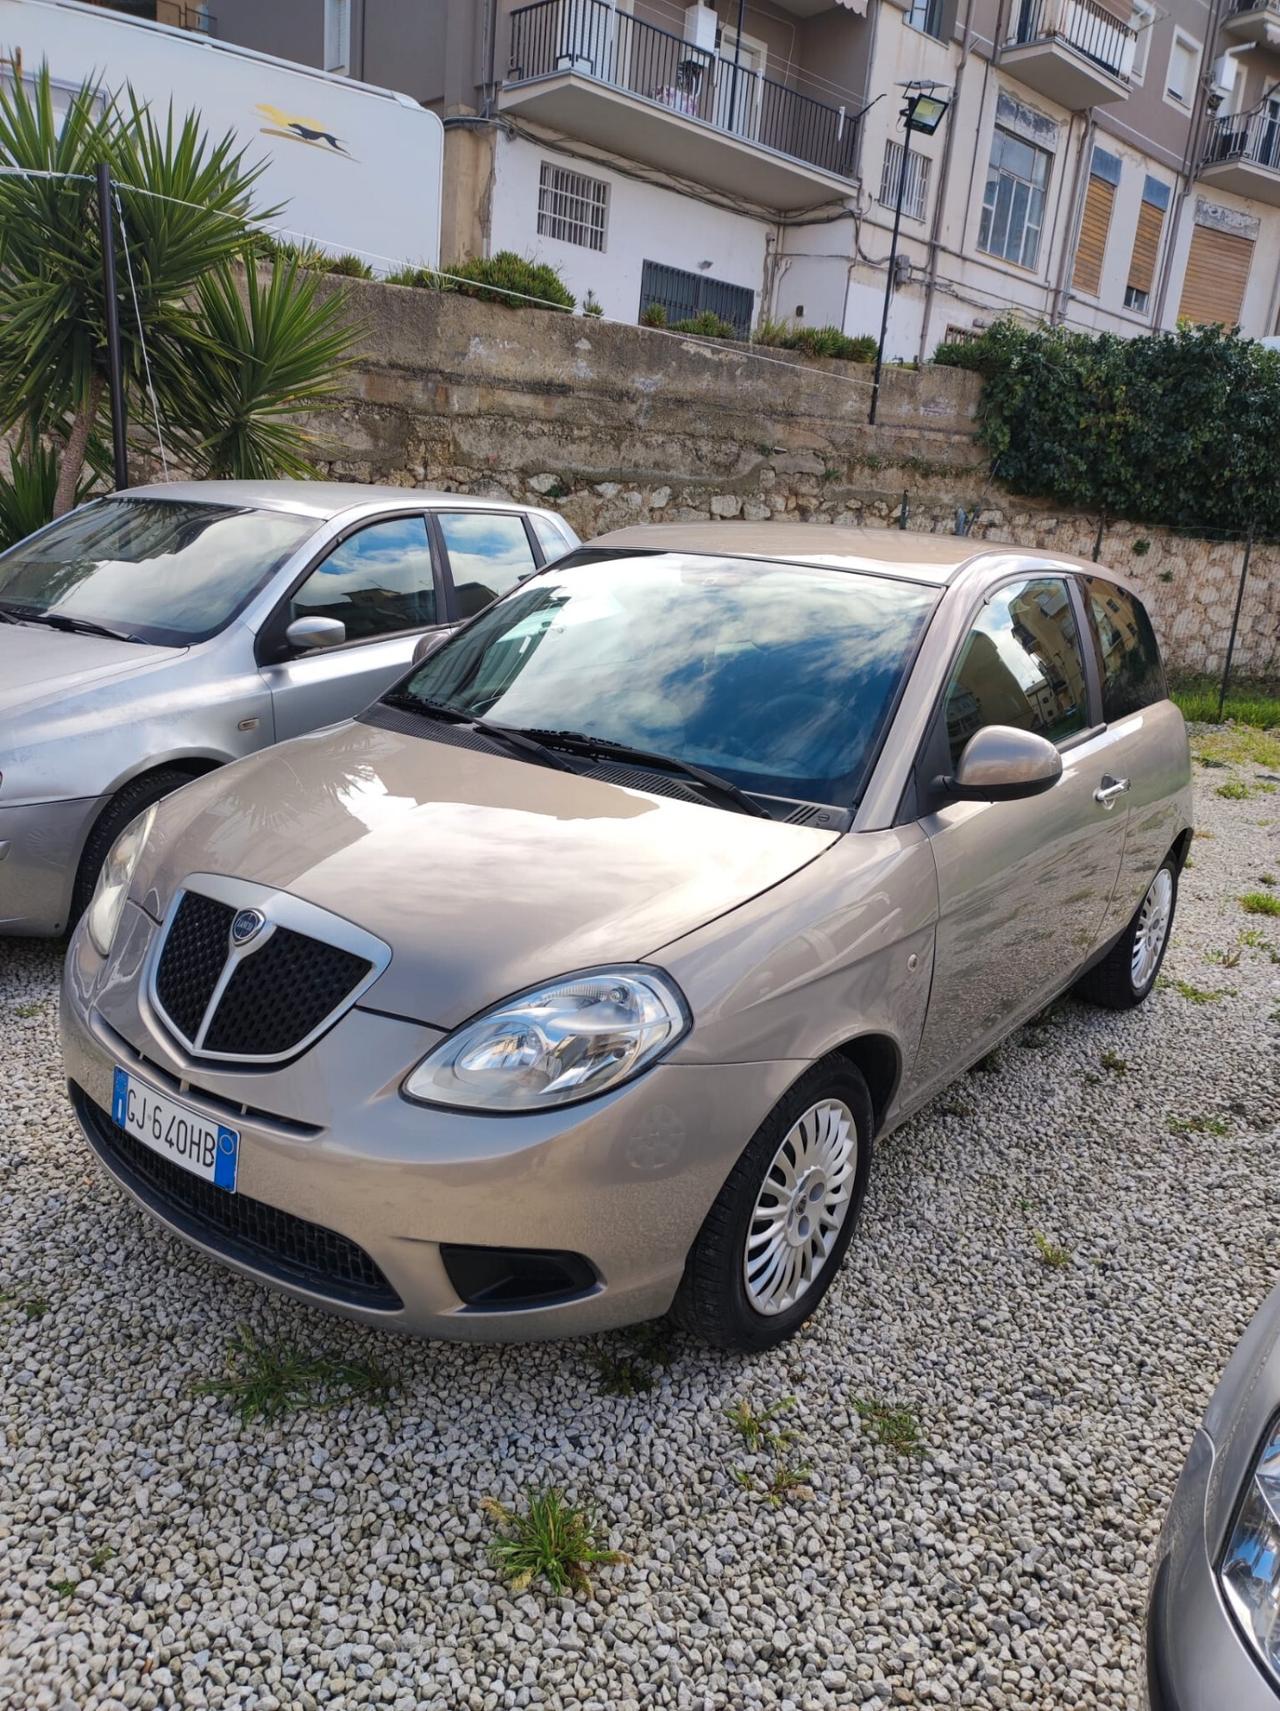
{"x": 574, "y": 979}
{"x": 1213, "y": 1628}
{"x": 152, "y": 636}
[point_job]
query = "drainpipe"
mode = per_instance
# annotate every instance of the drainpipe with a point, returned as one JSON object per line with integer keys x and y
{"x": 944, "y": 179}
{"x": 1062, "y": 289}
{"x": 1189, "y": 174}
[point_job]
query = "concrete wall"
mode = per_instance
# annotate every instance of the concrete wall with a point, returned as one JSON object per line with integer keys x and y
{"x": 616, "y": 425}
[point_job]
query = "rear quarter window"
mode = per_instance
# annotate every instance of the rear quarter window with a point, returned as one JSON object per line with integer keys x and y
{"x": 1128, "y": 653}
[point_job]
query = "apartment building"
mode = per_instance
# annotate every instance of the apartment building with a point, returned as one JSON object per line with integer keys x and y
{"x": 1108, "y": 164}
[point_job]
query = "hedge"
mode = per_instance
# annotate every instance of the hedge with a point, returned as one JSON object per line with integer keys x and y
{"x": 1177, "y": 428}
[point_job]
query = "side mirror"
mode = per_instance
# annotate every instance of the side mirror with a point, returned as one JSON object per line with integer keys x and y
{"x": 1003, "y": 764}
{"x": 428, "y": 644}
{"x": 308, "y": 634}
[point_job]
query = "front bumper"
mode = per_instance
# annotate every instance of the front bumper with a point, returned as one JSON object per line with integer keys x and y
{"x": 40, "y": 845}
{"x": 1196, "y": 1658}
{"x": 624, "y": 1180}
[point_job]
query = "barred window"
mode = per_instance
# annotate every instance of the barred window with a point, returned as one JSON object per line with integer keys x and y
{"x": 915, "y": 193}
{"x": 572, "y": 207}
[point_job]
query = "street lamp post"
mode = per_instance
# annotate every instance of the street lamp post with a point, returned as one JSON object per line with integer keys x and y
{"x": 924, "y": 112}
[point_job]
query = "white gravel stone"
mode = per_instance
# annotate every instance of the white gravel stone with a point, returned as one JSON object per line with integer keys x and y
{"x": 338, "y": 1559}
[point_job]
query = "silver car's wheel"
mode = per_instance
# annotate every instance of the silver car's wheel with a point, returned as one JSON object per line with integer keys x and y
{"x": 801, "y": 1207}
{"x": 1151, "y": 929}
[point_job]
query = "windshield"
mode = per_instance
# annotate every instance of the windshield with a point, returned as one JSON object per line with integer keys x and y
{"x": 779, "y": 677}
{"x": 164, "y": 570}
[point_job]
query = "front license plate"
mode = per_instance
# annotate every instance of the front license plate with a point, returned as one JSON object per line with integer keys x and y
{"x": 177, "y": 1133}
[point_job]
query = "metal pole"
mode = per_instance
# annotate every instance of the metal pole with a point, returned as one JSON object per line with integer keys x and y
{"x": 893, "y": 256}
{"x": 115, "y": 364}
{"x": 1235, "y": 623}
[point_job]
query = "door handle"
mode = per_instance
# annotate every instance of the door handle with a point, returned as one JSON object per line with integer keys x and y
{"x": 1109, "y": 789}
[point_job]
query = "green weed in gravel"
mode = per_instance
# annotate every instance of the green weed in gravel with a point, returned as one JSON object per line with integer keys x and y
{"x": 33, "y": 1306}
{"x": 268, "y": 1380}
{"x": 551, "y": 1539}
{"x": 780, "y": 1481}
{"x": 26, "y": 1011}
{"x": 891, "y": 1424}
{"x": 1114, "y": 1063}
{"x": 1198, "y": 1126}
{"x": 755, "y": 1426}
{"x": 1235, "y": 790}
{"x": 1225, "y": 959}
{"x": 64, "y": 1588}
{"x": 1051, "y": 1254}
{"x": 1260, "y": 903}
{"x": 1194, "y": 994}
{"x": 101, "y": 1557}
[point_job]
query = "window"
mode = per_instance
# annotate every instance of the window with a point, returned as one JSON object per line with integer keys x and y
{"x": 1144, "y": 16}
{"x": 915, "y": 192}
{"x": 550, "y": 538}
{"x": 1095, "y": 222}
{"x": 378, "y": 581}
{"x": 1021, "y": 666}
{"x": 1218, "y": 265}
{"x": 929, "y": 16}
{"x": 685, "y": 295}
{"x": 337, "y": 36}
{"x": 572, "y": 207}
{"x": 1184, "y": 60}
{"x": 1146, "y": 245}
{"x": 489, "y": 553}
{"x": 1013, "y": 207}
{"x": 1128, "y": 654}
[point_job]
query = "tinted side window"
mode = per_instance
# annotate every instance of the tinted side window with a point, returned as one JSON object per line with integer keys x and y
{"x": 552, "y": 542}
{"x": 1021, "y": 665}
{"x": 1128, "y": 655}
{"x": 489, "y": 553}
{"x": 377, "y": 581}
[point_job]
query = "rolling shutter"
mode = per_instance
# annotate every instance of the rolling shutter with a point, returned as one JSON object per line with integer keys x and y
{"x": 1217, "y": 273}
{"x": 1146, "y": 247}
{"x": 1095, "y": 223}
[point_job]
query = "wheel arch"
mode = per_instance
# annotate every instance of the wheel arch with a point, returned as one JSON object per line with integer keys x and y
{"x": 878, "y": 1059}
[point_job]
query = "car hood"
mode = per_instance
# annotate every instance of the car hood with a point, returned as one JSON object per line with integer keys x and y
{"x": 39, "y": 666}
{"x": 485, "y": 875}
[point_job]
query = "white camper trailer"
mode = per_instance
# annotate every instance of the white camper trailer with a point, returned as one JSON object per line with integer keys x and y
{"x": 356, "y": 168}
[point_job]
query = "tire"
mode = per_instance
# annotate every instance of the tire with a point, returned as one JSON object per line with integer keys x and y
{"x": 714, "y": 1301}
{"x": 1125, "y": 976}
{"x": 129, "y": 801}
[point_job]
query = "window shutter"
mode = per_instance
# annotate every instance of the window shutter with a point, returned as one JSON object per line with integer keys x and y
{"x": 1146, "y": 247}
{"x": 1094, "y": 226}
{"x": 1217, "y": 273}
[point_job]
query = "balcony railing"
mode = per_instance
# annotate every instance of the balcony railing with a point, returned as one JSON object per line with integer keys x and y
{"x": 1251, "y": 137}
{"x": 595, "y": 40}
{"x": 1083, "y": 25}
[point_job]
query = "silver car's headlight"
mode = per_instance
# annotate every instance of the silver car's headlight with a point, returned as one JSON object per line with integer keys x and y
{"x": 103, "y": 914}
{"x": 568, "y": 1040}
{"x": 1250, "y": 1571}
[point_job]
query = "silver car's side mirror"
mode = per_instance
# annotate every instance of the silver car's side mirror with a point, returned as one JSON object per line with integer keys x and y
{"x": 1002, "y": 764}
{"x": 306, "y": 634}
{"x": 428, "y": 644}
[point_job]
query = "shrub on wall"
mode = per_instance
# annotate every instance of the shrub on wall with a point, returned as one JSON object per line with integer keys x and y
{"x": 1178, "y": 428}
{"x": 536, "y": 284}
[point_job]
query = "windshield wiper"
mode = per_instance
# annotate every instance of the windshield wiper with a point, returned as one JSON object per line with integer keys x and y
{"x": 78, "y": 626}
{"x": 717, "y": 788}
{"x": 516, "y": 742}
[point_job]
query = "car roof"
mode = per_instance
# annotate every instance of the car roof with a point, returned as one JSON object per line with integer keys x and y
{"x": 318, "y": 499}
{"x": 935, "y": 559}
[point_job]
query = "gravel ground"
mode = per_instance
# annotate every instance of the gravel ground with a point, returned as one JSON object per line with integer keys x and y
{"x": 338, "y": 1558}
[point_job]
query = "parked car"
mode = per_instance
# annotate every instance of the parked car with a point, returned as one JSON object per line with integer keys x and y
{"x": 1213, "y": 1627}
{"x": 152, "y": 636}
{"x": 574, "y": 979}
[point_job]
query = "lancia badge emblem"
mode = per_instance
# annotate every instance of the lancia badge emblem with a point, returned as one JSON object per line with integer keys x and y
{"x": 246, "y": 926}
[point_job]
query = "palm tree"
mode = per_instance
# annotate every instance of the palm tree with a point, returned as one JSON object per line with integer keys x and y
{"x": 185, "y": 210}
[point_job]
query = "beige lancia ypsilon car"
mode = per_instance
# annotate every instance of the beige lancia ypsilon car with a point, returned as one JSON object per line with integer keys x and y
{"x": 572, "y": 982}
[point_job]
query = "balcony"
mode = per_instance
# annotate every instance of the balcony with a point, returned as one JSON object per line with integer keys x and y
{"x": 1249, "y": 21}
{"x": 1242, "y": 154}
{"x": 600, "y": 75}
{"x": 1074, "y": 51}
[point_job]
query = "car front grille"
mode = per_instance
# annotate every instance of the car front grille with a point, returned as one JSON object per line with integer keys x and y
{"x": 270, "y": 1241}
{"x": 279, "y": 993}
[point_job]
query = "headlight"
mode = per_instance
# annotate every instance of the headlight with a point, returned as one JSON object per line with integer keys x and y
{"x": 103, "y": 914}
{"x": 1250, "y": 1571}
{"x": 566, "y": 1041}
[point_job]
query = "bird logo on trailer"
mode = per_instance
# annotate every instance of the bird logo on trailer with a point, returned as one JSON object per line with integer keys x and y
{"x": 298, "y": 130}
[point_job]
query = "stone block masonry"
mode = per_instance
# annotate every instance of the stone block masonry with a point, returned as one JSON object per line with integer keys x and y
{"x": 615, "y": 425}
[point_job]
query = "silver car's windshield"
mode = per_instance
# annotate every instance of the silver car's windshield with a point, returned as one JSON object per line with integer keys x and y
{"x": 166, "y": 571}
{"x": 779, "y": 677}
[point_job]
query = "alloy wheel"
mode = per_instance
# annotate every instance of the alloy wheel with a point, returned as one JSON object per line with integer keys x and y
{"x": 1152, "y": 929}
{"x": 801, "y": 1207}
